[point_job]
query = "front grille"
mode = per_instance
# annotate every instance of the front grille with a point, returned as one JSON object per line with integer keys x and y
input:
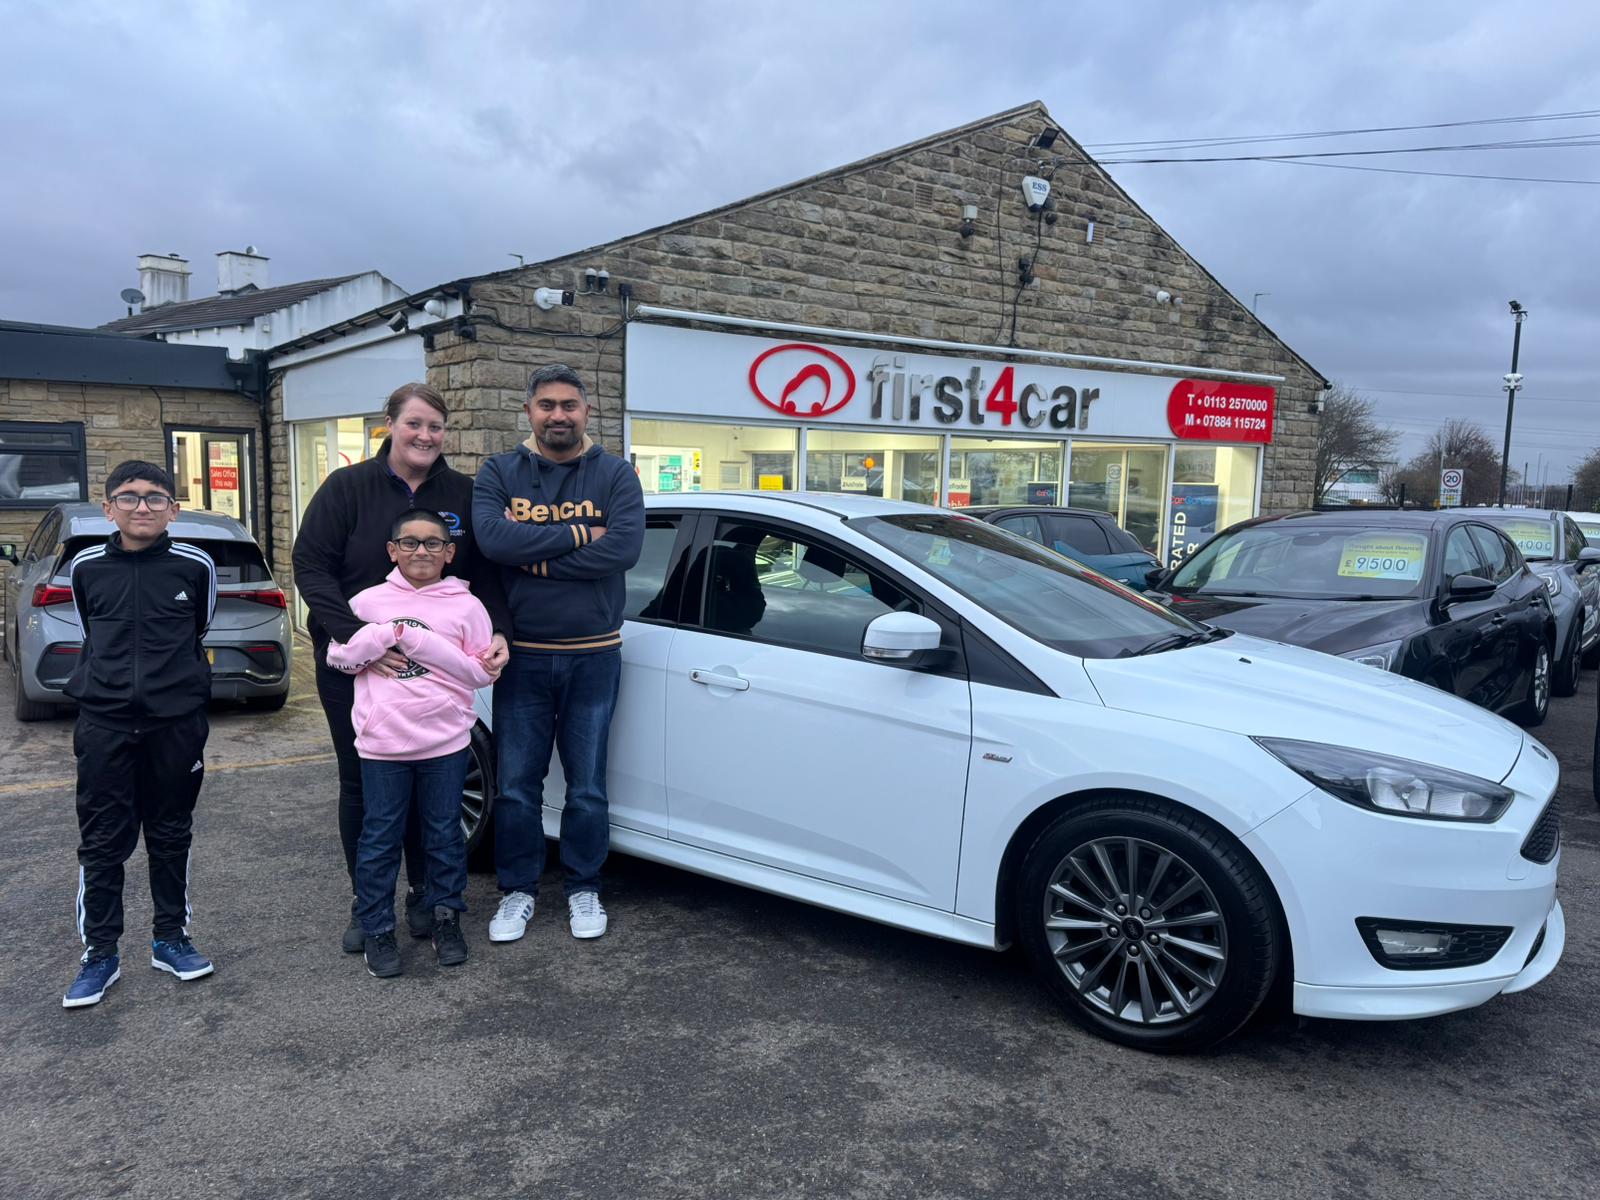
{"x": 1469, "y": 944}
{"x": 1544, "y": 839}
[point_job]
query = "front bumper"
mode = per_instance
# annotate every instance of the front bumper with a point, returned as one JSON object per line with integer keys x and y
{"x": 1333, "y": 863}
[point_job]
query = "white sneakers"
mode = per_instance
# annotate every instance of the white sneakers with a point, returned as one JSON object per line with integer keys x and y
{"x": 587, "y": 917}
{"x": 510, "y": 920}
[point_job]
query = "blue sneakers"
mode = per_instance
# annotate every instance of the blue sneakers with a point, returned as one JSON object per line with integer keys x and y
{"x": 94, "y": 977}
{"x": 179, "y": 957}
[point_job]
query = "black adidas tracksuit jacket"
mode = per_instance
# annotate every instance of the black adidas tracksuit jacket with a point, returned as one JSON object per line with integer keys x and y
{"x": 141, "y": 684}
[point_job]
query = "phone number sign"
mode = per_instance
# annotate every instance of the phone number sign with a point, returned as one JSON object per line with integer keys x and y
{"x": 1210, "y": 410}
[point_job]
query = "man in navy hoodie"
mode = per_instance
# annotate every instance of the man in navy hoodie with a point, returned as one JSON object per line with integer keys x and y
{"x": 565, "y": 519}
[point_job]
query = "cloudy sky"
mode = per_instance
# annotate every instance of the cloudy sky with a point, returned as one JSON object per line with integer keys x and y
{"x": 431, "y": 141}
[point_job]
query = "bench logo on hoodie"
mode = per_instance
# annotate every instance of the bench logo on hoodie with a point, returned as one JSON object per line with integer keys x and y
{"x": 545, "y": 514}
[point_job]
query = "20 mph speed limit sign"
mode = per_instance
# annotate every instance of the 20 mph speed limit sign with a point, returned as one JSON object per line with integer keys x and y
{"x": 1450, "y": 481}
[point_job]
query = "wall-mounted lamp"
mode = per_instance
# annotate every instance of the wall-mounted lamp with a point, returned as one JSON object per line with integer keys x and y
{"x": 1046, "y": 138}
{"x": 969, "y": 220}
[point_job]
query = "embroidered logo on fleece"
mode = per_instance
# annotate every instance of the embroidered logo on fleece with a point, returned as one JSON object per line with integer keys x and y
{"x": 543, "y": 514}
{"x": 414, "y": 669}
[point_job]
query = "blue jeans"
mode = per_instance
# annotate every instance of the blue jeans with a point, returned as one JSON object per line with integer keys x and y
{"x": 565, "y": 702}
{"x": 387, "y": 788}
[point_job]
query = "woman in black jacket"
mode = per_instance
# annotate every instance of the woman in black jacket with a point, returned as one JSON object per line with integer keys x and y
{"x": 342, "y": 550}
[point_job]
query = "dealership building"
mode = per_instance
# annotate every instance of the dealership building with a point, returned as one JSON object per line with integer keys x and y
{"x": 982, "y": 316}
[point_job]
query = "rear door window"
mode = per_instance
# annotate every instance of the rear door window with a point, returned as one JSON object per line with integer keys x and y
{"x": 1026, "y": 525}
{"x": 1082, "y": 534}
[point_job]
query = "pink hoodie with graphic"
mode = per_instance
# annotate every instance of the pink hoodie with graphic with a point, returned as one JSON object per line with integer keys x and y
{"x": 427, "y": 711}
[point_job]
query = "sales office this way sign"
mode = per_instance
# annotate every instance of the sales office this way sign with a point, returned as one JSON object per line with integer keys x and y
{"x": 689, "y": 373}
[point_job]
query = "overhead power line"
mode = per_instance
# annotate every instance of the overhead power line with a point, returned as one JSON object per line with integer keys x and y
{"x": 1177, "y": 143}
{"x": 1440, "y": 174}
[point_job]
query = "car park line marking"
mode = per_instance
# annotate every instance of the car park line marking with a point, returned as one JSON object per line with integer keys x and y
{"x": 69, "y": 781}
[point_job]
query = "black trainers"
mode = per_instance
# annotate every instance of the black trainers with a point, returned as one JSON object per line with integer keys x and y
{"x": 383, "y": 956}
{"x": 355, "y": 938}
{"x": 418, "y": 919}
{"x": 448, "y": 941}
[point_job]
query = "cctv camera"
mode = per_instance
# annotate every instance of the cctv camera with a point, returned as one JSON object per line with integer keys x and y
{"x": 1514, "y": 377}
{"x": 398, "y": 322}
{"x": 1163, "y": 296}
{"x": 1516, "y": 306}
{"x": 548, "y": 298}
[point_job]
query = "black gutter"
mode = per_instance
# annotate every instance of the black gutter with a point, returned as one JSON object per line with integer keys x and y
{"x": 88, "y": 356}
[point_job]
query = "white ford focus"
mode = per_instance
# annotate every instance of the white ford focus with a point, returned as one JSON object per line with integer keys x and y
{"x": 917, "y": 718}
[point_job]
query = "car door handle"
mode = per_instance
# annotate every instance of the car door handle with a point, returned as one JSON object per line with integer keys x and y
{"x": 1498, "y": 619}
{"x": 712, "y": 679}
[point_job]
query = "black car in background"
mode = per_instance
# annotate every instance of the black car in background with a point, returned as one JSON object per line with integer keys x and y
{"x": 1440, "y": 597}
{"x": 1084, "y": 534}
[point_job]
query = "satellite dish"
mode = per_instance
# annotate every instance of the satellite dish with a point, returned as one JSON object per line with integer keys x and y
{"x": 132, "y": 296}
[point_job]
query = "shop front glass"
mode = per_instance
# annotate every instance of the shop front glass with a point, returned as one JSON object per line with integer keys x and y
{"x": 322, "y": 447}
{"x": 685, "y": 456}
{"x": 1212, "y": 487}
{"x": 989, "y": 471}
{"x": 893, "y": 465}
{"x": 211, "y": 470}
{"x": 1129, "y": 482}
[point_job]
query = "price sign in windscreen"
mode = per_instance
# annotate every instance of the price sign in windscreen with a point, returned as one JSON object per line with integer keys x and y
{"x": 1536, "y": 539}
{"x": 1383, "y": 556}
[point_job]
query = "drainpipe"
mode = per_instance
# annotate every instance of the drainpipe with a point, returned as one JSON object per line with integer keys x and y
{"x": 253, "y": 380}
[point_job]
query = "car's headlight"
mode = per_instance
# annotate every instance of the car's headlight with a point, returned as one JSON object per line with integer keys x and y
{"x": 1383, "y": 656}
{"x": 1391, "y": 785}
{"x": 1552, "y": 583}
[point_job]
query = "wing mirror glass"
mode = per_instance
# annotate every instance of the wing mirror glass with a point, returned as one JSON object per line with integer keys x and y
{"x": 900, "y": 637}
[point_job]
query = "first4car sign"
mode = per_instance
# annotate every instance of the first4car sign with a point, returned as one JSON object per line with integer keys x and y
{"x": 742, "y": 377}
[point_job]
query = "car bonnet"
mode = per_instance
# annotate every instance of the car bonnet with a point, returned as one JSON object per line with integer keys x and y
{"x": 1267, "y": 689}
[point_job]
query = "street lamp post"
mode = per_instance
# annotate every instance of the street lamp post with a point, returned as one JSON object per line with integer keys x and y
{"x": 1513, "y": 381}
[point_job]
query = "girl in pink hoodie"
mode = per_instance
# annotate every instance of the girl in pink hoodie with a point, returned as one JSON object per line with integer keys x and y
{"x": 412, "y": 728}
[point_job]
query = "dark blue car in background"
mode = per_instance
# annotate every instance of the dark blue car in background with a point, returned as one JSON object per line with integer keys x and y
{"x": 1084, "y": 534}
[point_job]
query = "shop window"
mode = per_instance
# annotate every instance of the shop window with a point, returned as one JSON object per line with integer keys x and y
{"x": 41, "y": 464}
{"x": 1213, "y": 487}
{"x": 896, "y": 466}
{"x": 1129, "y": 482}
{"x": 688, "y": 456}
{"x": 987, "y": 471}
{"x": 211, "y": 469}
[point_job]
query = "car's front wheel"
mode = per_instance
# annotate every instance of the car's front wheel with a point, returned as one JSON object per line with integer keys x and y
{"x": 1535, "y": 704}
{"x": 477, "y": 794}
{"x": 1149, "y": 924}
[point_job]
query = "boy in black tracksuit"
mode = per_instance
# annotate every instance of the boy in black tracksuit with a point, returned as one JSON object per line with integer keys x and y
{"x": 141, "y": 684}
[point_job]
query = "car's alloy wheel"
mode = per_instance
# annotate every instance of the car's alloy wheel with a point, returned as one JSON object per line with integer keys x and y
{"x": 1564, "y": 680}
{"x": 477, "y": 792}
{"x": 1149, "y": 924}
{"x": 1536, "y": 706}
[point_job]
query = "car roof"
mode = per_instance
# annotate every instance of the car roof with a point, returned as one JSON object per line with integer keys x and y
{"x": 87, "y": 519}
{"x": 840, "y": 504}
{"x": 989, "y": 510}
{"x": 1410, "y": 518}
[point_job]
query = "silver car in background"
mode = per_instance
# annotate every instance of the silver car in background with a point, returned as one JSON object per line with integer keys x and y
{"x": 1558, "y": 552}
{"x": 248, "y": 644}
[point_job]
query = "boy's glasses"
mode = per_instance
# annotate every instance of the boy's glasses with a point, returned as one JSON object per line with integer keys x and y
{"x": 129, "y": 501}
{"x": 411, "y": 545}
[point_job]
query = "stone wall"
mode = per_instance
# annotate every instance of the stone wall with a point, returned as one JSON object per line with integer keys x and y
{"x": 119, "y": 422}
{"x": 876, "y": 247}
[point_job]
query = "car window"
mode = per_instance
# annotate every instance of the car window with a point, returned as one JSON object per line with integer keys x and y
{"x": 647, "y": 583}
{"x": 1122, "y": 542}
{"x": 237, "y": 562}
{"x": 1534, "y": 536}
{"x": 1027, "y": 526}
{"x": 766, "y": 582}
{"x": 1575, "y": 540}
{"x": 44, "y": 537}
{"x": 1081, "y": 534}
{"x": 1500, "y": 557}
{"x": 1461, "y": 556}
{"x": 1303, "y": 560}
{"x": 1044, "y": 596}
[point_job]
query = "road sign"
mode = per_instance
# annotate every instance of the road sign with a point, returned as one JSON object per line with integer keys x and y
{"x": 1451, "y": 480}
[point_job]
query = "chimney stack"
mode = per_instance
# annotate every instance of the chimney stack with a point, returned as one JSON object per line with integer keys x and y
{"x": 164, "y": 279}
{"x": 240, "y": 270}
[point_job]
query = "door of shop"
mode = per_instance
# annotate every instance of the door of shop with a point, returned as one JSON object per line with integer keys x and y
{"x": 1129, "y": 482}
{"x": 211, "y": 469}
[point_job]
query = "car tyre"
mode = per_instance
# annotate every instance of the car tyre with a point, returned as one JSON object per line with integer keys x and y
{"x": 477, "y": 796}
{"x": 1148, "y": 923}
{"x": 1564, "y": 678}
{"x": 22, "y": 707}
{"x": 1535, "y": 705}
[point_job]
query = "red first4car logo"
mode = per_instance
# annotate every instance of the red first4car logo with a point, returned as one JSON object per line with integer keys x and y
{"x": 798, "y": 379}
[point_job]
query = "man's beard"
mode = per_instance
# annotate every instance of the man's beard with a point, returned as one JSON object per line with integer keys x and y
{"x": 560, "y": 438}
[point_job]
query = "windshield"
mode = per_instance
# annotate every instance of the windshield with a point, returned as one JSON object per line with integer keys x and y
{"x": 1294, "y": 560}
{"x": 1534, "y": 536}
{"x": 1050, "y": 598}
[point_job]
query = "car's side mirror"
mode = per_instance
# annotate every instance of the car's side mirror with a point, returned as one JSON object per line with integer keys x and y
{"x": 1154, "y": 576}
{"x": 1469, "y": 587}
{"x": 8, "y": 552}
{"x": 1587, "y": 557}
{"x": 900, "y": 637}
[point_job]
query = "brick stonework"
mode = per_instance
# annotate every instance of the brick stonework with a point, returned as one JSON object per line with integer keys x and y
{"x": 875, "y": 247}
{"x": 119, "y": 423}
